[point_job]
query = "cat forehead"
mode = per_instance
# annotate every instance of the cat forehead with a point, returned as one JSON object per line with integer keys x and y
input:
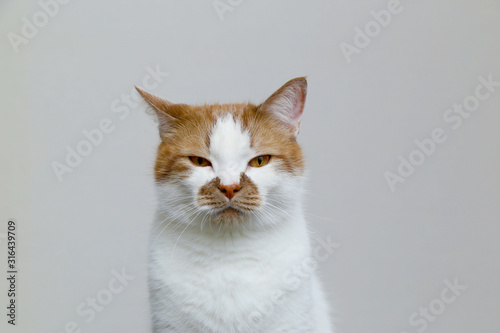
{"x": 223, "y": 130}
{"x": 229, "y": 139}
{"x": 227, "y": 135}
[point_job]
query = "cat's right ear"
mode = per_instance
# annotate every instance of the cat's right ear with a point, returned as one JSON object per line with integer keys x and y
{"x": 162, "y": 108}
{"x": 287, "y": 104}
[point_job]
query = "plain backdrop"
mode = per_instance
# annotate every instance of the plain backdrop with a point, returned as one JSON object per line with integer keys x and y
{"x": 397, "y": 248}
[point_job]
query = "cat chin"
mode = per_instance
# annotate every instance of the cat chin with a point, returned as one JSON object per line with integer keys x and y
{"x": 229, "y": 216}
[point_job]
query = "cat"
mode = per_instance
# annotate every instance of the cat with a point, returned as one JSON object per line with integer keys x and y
{"x": 230, "y": 226}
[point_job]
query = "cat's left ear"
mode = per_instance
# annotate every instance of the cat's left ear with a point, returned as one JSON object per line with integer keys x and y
{"x": 163, "y": 109}
{"x": 287, "y": 103}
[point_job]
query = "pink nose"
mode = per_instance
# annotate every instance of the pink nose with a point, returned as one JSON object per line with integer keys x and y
{"x": 229, "y": 190}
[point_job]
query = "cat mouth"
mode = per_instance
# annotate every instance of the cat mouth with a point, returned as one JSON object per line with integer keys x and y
{"x": 239, "y": 207}
{"x": 230, "y": 209}
{"x": 229, "y": 214}
{"x": 242, "y": 207}
{"x": 246, "y": 200}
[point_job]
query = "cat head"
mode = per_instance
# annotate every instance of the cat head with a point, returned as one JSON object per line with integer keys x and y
{"x": 230, "y": 164}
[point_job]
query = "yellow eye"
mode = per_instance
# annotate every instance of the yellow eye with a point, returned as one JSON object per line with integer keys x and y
{"x": 259, "y": 161}
{"x": 200, "y": 161}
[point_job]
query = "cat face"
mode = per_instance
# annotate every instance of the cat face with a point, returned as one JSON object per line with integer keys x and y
{"x": 230, "y": 164}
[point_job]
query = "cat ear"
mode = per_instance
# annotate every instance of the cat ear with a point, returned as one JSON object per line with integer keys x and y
{"x": 287, "y": 103}
{"x": 162, "y": 107}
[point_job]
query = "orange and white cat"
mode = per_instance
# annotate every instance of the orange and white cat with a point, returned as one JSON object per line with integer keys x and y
{"x": 230, "y": 225}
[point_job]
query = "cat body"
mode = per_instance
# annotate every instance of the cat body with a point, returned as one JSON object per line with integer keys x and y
{"x": 230, "y": 234}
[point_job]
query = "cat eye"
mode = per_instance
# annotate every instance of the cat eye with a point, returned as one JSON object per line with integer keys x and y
{"x": 200, "y": 161}
{"x": 259, "y": 161}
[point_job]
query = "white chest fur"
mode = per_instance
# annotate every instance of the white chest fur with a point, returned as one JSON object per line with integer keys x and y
{"x": 227, "y": 281}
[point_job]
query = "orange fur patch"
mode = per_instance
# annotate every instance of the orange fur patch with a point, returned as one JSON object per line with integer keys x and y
{"x": 185, "y": 131}
{"x": 190, "y": 135}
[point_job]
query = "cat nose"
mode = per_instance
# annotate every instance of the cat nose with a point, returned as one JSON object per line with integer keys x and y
{"x": 229, "y": 190}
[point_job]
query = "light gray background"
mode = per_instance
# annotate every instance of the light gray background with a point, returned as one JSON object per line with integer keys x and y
{"x": 397, "y": 248}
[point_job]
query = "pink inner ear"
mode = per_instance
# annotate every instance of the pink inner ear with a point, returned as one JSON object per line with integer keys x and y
{"x": 299, "y": 97}
{"x": 287, "y": 103}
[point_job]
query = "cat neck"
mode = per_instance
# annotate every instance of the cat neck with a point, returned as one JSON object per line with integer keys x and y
{"x": 181, "y": 237}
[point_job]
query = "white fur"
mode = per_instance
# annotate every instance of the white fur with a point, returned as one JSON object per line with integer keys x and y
{"x": 230, "y": 150}
{"x": 216, "y": 279}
